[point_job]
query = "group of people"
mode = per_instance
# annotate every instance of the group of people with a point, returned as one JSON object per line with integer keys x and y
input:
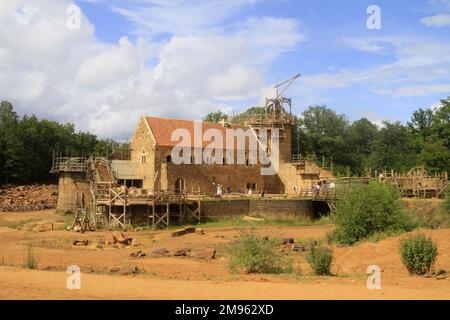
{"x": 315, "y": 187}
{"x": 220, "y": 191}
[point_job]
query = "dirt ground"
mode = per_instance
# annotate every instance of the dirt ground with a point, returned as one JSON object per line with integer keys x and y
{"x": 189, "y": 278}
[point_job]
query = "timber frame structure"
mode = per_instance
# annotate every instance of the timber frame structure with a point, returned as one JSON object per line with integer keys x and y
{"x": 111, "y": 203}
{"x": 417, "y": 183}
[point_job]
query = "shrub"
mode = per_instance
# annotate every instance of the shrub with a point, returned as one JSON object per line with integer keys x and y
{"x": 320, "y": 259}
{"x": 255, "y": 254}
{"x": 418, "y": 254}
{"x": 368, "y": 209}
{"x": 30, "y": 261}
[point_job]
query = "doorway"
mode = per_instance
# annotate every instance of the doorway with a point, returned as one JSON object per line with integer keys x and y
{"x": 180, "y": 186}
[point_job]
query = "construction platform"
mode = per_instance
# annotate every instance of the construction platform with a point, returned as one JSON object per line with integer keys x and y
{"x": 110, "y": 201}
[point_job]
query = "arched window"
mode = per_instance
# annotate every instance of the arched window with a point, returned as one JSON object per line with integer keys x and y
{"x": 144, "y": 157}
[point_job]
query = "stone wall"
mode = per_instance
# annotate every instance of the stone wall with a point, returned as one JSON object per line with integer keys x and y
{"x": 69, "y": 185}
{"x": 269, "y": 208}
{"x": 280, "y": 208}
{"x": 143, "y": 152}
{"x": 286, "y": 145}
{"x": 202, "y": 177}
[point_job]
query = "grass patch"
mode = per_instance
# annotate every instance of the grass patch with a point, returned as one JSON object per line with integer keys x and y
{"x": 251, "y": 253}
{"x": 427, "y": 213}
{"x": 54, "y": 244}
{"x": 239, "y": 222}
{"x": 67, "y": 218}
{"x": 17, "y": 224}
{"x": 382, "y": 235}
{"x": 30, "y": 261}
{"x": 446, "y": 204}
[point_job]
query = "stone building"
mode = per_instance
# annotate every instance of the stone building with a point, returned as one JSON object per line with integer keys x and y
{"x": 232, "y": 154}
{"x": 151, "y": 152}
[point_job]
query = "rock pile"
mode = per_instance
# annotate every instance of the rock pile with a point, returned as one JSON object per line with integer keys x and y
{"x": 28, "y": 198}
{"x": 118, "y": 239}
{"x": 181, "y": 232}
{"x": 202, "y": 254}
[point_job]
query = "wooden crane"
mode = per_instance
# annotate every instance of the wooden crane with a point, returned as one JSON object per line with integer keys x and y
{"x": 275, "y": 106}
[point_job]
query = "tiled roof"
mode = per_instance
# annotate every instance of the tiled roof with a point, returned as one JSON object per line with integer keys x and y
{"x": 162, "y": 129}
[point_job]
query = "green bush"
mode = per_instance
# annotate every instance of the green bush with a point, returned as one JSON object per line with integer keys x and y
{"x": 418, "y": 254}
{"x": 365, "y": 210}
{"x": 320, "y": 259}
{"x": 251, "y": 253}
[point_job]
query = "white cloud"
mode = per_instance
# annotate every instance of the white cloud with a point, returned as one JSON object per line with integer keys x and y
{"x": 375, "y": 118}
{"x": 418, "y": 63}
{"x": 234, "y": 83}
{"x": 440, "y": 20}
{"x": 365, "y": 44}
{"x": 70, "y": 75}
{"x": 444, "y": 3}
{"x": 268, "y": 36}
{"x": 115, "y": 62}
{"x": 419, "y": 90}
{"x": 180, "y": 17}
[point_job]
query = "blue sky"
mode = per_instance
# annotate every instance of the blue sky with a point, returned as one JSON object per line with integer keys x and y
{"x": 325, "y": 23}
{"x": 183, "y": 58}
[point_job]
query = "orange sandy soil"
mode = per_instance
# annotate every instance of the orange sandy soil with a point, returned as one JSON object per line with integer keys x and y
{"x": 187, "y": 278}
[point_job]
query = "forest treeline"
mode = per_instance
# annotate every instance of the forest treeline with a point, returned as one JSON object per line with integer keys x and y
{"x": 354, "y": 148}
{"x": 27, "y": 143}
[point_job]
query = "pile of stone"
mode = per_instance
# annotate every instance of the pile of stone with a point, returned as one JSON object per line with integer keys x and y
{"x": 187, "y": 230}
{"x": 81, "y": 243}
{"x": 291, "y": 244}
{"x": 201, "y": 254}
{"x": 440, "y": 275}
{"x": 127, "y": 270}
{"x": 118, "y": 238}
{"x": 28, "y": 198}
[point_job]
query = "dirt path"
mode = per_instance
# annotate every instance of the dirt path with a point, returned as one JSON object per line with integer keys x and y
{"x": 26, "y": 284}
{"x": 188, "y": 278}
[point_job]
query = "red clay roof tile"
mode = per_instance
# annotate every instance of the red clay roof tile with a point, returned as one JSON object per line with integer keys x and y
{"x": 162, "y": 129}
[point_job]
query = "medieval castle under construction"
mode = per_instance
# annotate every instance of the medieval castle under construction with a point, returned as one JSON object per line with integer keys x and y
{"x": 148, "y": 187}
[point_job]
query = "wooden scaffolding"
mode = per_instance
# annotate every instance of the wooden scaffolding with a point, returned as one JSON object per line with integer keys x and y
{"x": 112, "y": 203}
{"x": 417, "y": 183}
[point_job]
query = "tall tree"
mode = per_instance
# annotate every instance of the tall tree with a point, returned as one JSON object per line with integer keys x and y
{"x": 215, "y": 116}
{"x": 441, "y": 122}
{"x": 395, "y": 148}
{"x": 324, "y": 131}
{"x": 27, "y": 145}
{"x": 360, "y": 139}
{"x": 421, "y": 122}
{"x": 8, "y": 140}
